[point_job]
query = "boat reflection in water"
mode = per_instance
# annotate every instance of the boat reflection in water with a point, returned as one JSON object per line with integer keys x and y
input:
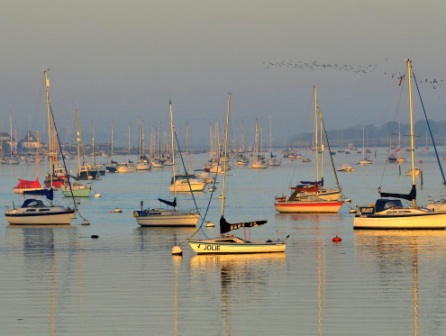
{"x": 244, "y": 279}
{"x": 39, "y": 252}
{"x": 403, "y": 265}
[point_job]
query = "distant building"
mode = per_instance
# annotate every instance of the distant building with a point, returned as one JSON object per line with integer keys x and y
{"x": 6, "y": 143}
{"x": 28, "y": 143}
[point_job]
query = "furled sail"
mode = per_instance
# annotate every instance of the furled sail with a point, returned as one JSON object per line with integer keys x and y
{"x": 48, "y": 193}
{"x": 170, "y": 203}
{"x": 29, "y": 184}
{"x": 411, "y": 196}
{"x": 226, "y": 227}
{"x": 321, "y": 182}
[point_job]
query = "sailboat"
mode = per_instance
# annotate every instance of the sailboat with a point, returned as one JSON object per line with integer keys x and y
{"x": 258, "y": 161}
{"x": 143, "y": 163}
{"x": 392, "y": 157}
{"x": 400, "y": 159}
{"x": 242, "y": 160}
{"x": 310, "y": 197}
{"x": 273, "y": 161}
{"x": 85, "y": 170}
{"x": 27, "y": 185}
{"x": 126, "y": 166}
{"x": 167, "y": 217}
{"x": 365, "y": 159}
{"x": 389, "y": 212}
{"x": 77, "y": 189}
{"x": 185, "y": 182}
{"x": 13, "y": 159}
{"x": 35, "y": 211}
{"x": 227, "y": 243}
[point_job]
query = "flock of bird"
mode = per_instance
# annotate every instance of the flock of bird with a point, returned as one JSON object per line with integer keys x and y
{"x": 315, "y": 64}
{"x": 360, "y": 69}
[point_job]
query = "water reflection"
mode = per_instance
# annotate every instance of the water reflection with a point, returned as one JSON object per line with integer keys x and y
{"x": 239, "y": 275}
{"x": 164, "y": 238}
{"x": 402, "y": 254}
{"x": 38, "y": 246}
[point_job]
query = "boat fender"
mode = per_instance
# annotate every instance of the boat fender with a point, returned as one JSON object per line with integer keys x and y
{"x": 337, "y": 239}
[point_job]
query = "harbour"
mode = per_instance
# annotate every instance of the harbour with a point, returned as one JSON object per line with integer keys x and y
{"x": 60, "y": 280}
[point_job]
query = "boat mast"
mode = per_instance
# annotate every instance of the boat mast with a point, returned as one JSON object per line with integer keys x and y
{"x": 78, "y": 142}
{"x": 37, "y": 153}
{"x": 321, "y": 141}
{"x": 412, "y": 140}
{"x": 243, "y": 138}
{"x": 172, "y": 131}
{"x": 10, "y": 134}
{"x": 129, "y": 144}
{"x": 270, "y": 136}
{"x": 51, "y": 150}
{"x": 93, "y": 146}
{"x": 224, "y": 156}
{"x": 112, "y": 139}
{"x": 316, "y": 144}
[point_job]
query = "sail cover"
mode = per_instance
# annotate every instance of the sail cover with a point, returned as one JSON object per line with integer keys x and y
{"x": 226, "y": 227}
{"x": 321, "y": 182}
{"x": 410, "y": 196}
{"x": 48, "y": 193}
{"x": 170, "y": 203}
{"x": 24, "y": 184}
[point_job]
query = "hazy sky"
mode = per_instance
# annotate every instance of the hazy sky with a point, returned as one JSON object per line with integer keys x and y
{"x": 121, "y": 61}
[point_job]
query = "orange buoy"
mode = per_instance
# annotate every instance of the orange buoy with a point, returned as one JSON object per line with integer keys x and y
{"x": 336, "y": 239}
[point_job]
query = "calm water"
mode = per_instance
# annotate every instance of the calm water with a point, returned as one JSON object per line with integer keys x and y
{"x": 59, "y": 281}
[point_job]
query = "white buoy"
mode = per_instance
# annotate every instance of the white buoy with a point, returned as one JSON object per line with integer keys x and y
{"x": 97, "y": 195}
{"x": 117, "y": 210}
{"x": 85, "y": 222}
{"x": 352, "y": 211}
{"x": 347, "y": 200}
{"x": 177, "y": 250}
{"x": 210, "y": 224}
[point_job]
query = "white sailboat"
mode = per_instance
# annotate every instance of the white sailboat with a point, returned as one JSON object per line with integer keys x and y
{"x": 126, "y": 166}
{"x": 35, "y": 211}
{"x": 227, "y": 243}
{"x": 389, "y": 212}
{"x": 258, "y": 161}
{"x": 365, "y": 159}
{"x": 143, "y": 163}
{"x": 167, "y": 217}
{"x": 346, "y": 168}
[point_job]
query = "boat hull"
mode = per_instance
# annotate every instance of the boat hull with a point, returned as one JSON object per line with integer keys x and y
{"x": 125, "y": 169}
{"x": 183, "y": 186}
{"x": 166, "y": 218}
{"x": 210, "y": 247}
{"x": 308, "y": 206}
{"x": 22, "y": 190}
{"x": 77, "y": 192}
{"x": 414, "y": 219}
{"x": 59, "y": 216}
